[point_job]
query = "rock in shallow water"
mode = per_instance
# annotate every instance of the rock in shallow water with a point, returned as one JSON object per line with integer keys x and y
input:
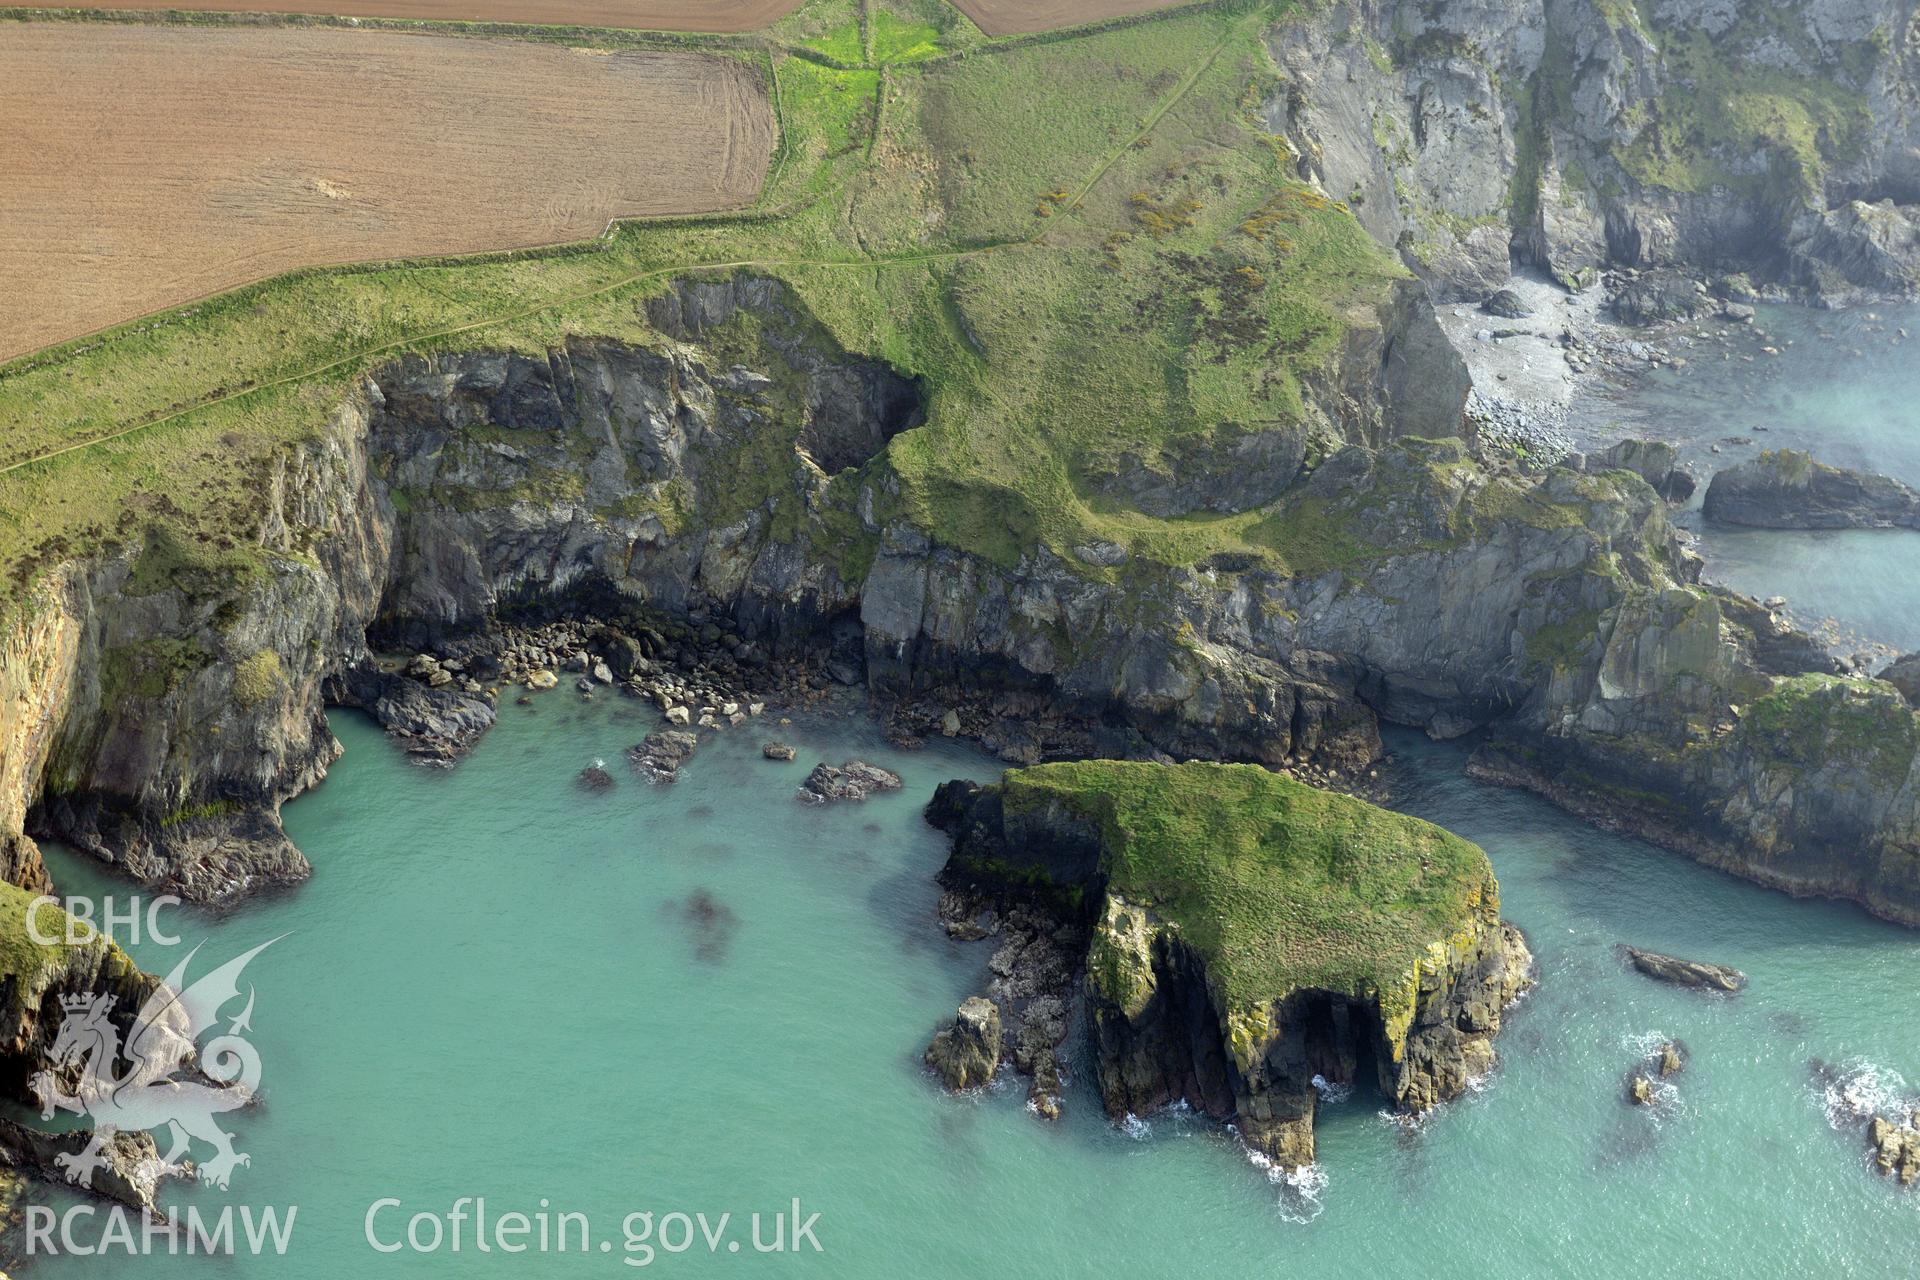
{"x": 1686, "y": 973}
{"x": 1787, "y": 489}
{"x": 1896, "y": 1148}
{"x": 854, "y": 780}
{"x": 966, "y": 1053}
{"x": 660, "y": 754}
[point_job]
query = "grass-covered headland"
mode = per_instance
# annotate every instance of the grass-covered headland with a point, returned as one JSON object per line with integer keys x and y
{"x": 1084, "y": 244}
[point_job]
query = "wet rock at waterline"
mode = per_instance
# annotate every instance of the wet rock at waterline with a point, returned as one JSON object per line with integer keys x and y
{"x": 1686, "y": 973}
{"x": 1787, "y": 489}
{"x": 855, "y": 780}
{"x": 967, "y": 1052}
{"x": 661, "y": 753}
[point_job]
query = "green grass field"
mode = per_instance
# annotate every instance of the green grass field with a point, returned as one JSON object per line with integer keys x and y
{"x": 1084, "y": 244}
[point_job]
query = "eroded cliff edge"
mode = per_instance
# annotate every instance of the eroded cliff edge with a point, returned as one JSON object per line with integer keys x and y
{"x": 165, "y": 698}
{"x": 1250, "y": 933}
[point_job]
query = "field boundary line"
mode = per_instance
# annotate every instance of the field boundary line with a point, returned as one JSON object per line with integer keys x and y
{"x": 1148, "y": 124}
{"x": 435, "y": 335}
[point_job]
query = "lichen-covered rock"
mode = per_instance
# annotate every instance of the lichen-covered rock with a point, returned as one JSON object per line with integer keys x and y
{"x": 967, "y": 1053}
{"x": 1249, "y": 933}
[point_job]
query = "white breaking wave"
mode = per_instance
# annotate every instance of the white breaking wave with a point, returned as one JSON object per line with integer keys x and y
{"x": 1644, "y": 1043}
{"x": 1330, "y": 1092}
{"x": 1136, "y": 1128}
{"x": 1859, "y": 1090}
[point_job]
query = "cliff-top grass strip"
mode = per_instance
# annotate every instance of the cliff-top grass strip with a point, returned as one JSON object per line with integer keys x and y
{"x": 935, "y": 254}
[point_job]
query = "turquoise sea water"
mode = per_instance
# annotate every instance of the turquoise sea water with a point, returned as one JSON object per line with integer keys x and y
{"x": 708, "y": 998}
{"x": 1845, "y": 387}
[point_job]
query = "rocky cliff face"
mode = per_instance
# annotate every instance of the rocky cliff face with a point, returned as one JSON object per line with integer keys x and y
{"x": 164, "y": 707}
{"x": 1775, "y": 138}
{"x": 1204, "y": 983}
{"x": 162, "y": 703}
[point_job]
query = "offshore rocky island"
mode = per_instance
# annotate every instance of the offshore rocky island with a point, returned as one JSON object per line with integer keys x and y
{"x": 1170, "y": 464}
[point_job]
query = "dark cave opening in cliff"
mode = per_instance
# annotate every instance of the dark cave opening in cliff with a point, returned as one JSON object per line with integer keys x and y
{"x": 853, "y": 411}
{"x": 1339, "y": 1040}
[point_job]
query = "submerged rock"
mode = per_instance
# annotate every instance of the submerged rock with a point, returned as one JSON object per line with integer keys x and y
{"x": 854, "y": 780}
{"x": 1686, "y": 973}
{"x": 1787, "y": 489}
{"x": 1250, "y": 933}
{"x": 595, "y": 778}
{"x": 661, "y": 753}
{"x": 967, "y": 1052}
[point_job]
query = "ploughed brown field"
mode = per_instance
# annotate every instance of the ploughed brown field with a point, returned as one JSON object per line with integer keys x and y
{"x": 149, "y": 166}
{"x": 995, "y": 17}
{"x": 649, "y": 15}
{"x": 1014, "y": 17}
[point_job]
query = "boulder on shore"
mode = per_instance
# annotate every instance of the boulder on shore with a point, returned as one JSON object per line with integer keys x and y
{"x": 1506, "y": 304}
{"x": 967, "y": 1052}
{"x": 1686, "y": 973}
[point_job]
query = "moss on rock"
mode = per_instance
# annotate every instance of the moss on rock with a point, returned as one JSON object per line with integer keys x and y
{"x": 1278, "y": 886}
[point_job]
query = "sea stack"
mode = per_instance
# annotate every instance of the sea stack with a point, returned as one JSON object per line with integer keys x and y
{"x": 1250, "y": 933}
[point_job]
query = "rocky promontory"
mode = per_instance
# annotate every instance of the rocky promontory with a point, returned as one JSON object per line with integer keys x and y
{"x": 1787, "y": 489}
{"x": 1250, "y": 934}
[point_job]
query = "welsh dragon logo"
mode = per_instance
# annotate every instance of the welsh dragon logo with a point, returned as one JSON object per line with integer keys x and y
{"x": 150, "y": 1093}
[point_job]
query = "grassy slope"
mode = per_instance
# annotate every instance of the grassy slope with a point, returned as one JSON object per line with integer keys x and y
{"x": 1280, "y": 885}
{"x": 1082, "y": 244}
